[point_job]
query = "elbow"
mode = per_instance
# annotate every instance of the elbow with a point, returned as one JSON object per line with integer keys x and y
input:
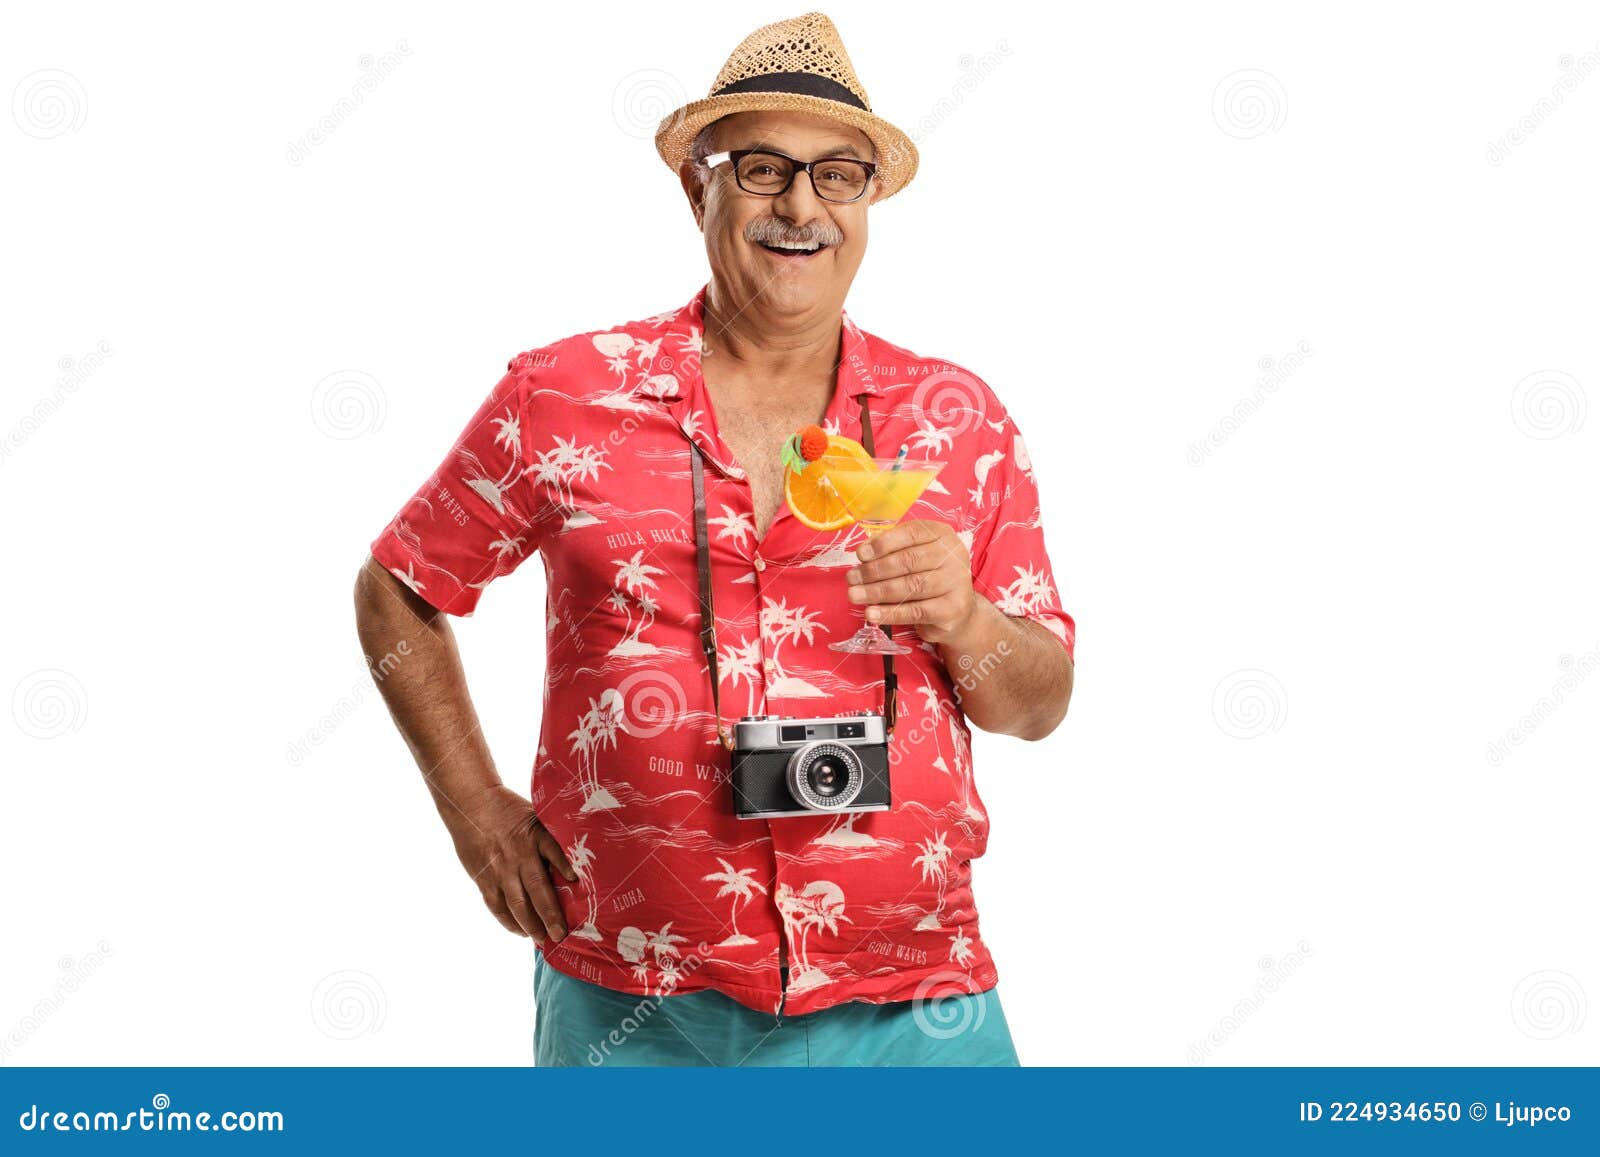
{"x": 366, "y": 592}
{"x": 1039, "y": 728}
{"x": 1054, "y": 710}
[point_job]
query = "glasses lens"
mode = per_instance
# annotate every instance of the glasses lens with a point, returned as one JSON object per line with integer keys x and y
{"x": 839, "y": 180}
{"x": 764, "y": 173}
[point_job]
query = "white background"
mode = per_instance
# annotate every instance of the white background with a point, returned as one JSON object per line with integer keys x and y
{"x": 1271, "y": 830}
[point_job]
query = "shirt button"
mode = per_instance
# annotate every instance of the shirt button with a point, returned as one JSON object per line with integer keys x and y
{"x": 761, "y": 563}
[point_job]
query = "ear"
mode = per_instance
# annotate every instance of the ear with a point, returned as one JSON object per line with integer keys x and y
{"x": 695, "y": 189}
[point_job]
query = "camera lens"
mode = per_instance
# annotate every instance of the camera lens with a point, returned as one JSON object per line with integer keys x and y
{"x": 825, "y": 776}
{"x": 828, "y": 776}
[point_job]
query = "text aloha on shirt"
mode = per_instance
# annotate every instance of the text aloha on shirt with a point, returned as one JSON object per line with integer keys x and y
{"x": 579, "y": 455}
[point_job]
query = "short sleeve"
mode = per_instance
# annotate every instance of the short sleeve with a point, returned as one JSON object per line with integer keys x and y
{"x": 473, "y": 520}
{"x": 1010, "y": 566}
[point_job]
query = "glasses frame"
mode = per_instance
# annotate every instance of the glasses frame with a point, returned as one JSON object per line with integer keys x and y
{"x": 736, "y": 155}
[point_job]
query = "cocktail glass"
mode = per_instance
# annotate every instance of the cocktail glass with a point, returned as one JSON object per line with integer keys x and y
{"x": 877, "y": 496}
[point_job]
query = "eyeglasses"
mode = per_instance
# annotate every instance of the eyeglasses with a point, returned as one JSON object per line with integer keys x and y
{"x": 769, "y": 174}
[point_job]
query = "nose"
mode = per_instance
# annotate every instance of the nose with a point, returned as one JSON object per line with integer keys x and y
{"x": 799, "y": 202}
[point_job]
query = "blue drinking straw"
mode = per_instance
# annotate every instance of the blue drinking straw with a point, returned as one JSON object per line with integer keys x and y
{"x": 898, "y": 458}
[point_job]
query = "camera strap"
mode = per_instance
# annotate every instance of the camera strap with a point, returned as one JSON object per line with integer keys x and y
{"x": 708, "y": 627}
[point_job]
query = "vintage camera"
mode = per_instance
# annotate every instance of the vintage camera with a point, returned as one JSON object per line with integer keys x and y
{"x": 830, "y": 765}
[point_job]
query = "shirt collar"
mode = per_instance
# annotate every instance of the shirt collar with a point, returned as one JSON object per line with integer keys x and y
{"x": 684, "y": 331}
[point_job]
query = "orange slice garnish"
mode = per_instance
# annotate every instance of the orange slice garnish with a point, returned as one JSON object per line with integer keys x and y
{"x": 810, "y": 497}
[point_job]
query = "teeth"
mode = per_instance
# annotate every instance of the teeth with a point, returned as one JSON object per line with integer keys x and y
{"x": 812, "y": 248}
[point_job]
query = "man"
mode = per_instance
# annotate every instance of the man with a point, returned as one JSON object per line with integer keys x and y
{"x": 670, "y": 930}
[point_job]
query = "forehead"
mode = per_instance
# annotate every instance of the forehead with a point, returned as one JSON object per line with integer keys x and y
{"x": 790, "y": 132}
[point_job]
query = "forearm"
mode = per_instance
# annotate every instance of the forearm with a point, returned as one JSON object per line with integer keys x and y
{"x": 1011, "y": 675}
{"x": 414, "y": 661}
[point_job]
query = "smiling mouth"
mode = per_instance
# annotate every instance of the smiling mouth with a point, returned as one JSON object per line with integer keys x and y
{"x": 793, "y": 252}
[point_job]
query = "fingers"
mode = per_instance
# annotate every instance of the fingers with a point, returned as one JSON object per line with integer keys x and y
{"x": 906, "y": 589}
{"x": 550, "y": 849}
{"x": 542, "y": 895}
{"x": 494, "y": 899}
{"x": 938, "y": 550}
{"x": 945, "y": 610}
{"x": 524, "y": 922}
{"x": 899, "y": 537}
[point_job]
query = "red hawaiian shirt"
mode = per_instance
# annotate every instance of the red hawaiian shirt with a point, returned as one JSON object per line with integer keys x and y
{"x": 579, "y": 455}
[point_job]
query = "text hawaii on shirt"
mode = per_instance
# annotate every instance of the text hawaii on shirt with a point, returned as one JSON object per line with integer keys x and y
{"x": 580, "y": 455}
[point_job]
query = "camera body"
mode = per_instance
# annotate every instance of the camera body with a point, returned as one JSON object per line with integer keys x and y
{"x": 822, "y": 766}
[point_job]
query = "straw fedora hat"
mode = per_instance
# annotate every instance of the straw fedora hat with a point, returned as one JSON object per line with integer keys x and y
{"x": 797, "y": 65}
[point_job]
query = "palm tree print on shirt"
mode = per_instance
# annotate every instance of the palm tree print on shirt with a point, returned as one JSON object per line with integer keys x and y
{"x": 508, "y": 433}
{"x": 780, "y": 624}
{"x": 741, "y": 661}
{"x": 735, "y": 524}
{"x": 618, "y": 348}
{"x": 564, "y": 464}
{"x": 637, "y": 947}
{"x": 582, "y": 861}
{"x": 633, "y": 575}
{"x": 961, "y": 947}
{"x": 736, "y": 882}
{"x": 934, "y": 862}
{"x": 597, "y": 730}
{"x": 1028, "y": 592}
{"x": 819, "y": 905}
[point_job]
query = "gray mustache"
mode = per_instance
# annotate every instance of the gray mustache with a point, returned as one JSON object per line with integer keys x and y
{"x": 771, "y": 231}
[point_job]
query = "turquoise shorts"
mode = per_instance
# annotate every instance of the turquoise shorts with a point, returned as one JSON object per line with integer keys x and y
{"x": 578, "y": 1024}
